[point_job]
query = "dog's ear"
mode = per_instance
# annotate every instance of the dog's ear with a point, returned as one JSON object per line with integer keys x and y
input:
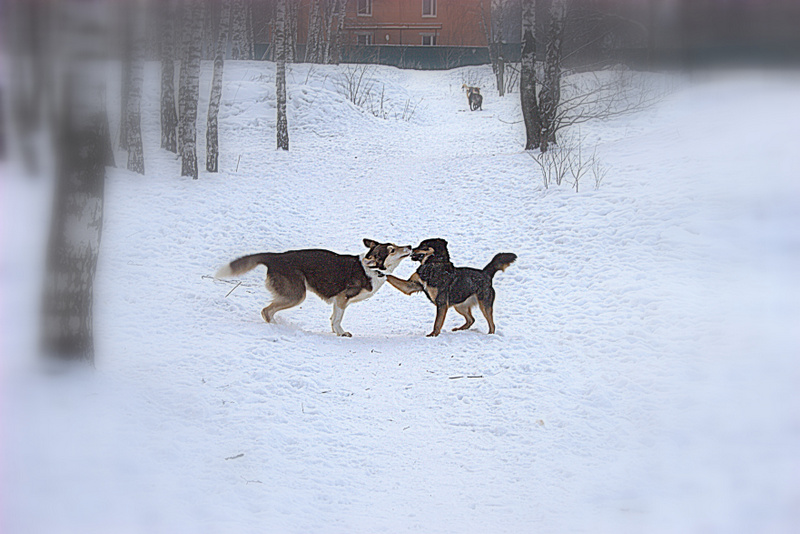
{"x": 443, "y": 242}
{"x": 369, "y": 243}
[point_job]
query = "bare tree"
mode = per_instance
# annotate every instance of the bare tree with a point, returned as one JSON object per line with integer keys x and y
{"x": 493, "y": 27}
{"x": 527, "y": 84}
{"x": 126, "y": 42}
{"x": 241, "y": 30}
{"x": 550, "y": 93}
{"x": 335, "y": 42}
{"x": 135, "y": 79}
{"x": 67, "y": 331}
{"x": 169, "y": 116}
{"x": 212, "y": 136}
{"x": 25, "y": 28}
{"x": 314, "y": 32}
{"x": 282, "y": 126}
{"x": 188, "y": 91}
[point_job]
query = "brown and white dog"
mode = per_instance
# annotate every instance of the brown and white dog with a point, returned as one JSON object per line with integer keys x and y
{"x": 474, "y": 98}
{"x": 337, "y": 278}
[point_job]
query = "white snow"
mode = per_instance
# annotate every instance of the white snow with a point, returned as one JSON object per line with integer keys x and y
{"x": 643, "y": 377}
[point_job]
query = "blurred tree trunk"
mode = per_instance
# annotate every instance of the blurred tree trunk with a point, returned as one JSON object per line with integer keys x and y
{"x": 527, "y": 80}
{"x": 67, "y": 330}
{"x": 280, "y": 75}
{"x": 125, "y": 11}
{"x": 493, "y": 31}
{"x": 169, "y": 116}
{"x": 251, "y": 52}
{"x": 337, "y": 37}
{"x": 550, "y": 93}
{"x": 241, "y": 30}
{"x": 212, "y": 136}
{"x": 290, "y": 30}
{"x": 25, "y": 25}
{"x": 135, "y": 77}
{"x": 189, "y": 89}
{"x": 314, "y": 28}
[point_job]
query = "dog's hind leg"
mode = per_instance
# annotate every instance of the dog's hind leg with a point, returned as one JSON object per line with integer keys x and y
{"x": 339, "y": 304}
{"x": 288, "y": 291}
{"x": 487, "y": 310}
{"x": 464, "y": 309}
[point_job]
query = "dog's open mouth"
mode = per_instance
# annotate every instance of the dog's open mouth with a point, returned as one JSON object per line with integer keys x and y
{"x": 418, "y": 256}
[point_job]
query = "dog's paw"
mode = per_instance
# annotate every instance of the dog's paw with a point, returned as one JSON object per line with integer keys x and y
{"x": 345, "y": 334}
{"x": 433, "y": 334}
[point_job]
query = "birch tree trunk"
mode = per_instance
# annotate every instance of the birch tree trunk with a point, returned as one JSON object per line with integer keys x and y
{"x": 282, "y": 126}
{"x": 251, "y": 52}
{"x": 314, "y": 23}
{"x": 133, "y": 127}
{"x": 125, "y": 78}
{"x": 335, "y": 41}
{"x": 241, "y": 31}
{"x": 550, "y": 93}
{"x": 189, "y": 89}
{"x": 527, "y": 77}
{"x": 24, "y": 26}
{"x": 212, "y": 136}
{"x": 169, "y": 116}
{"x": 492, "y": 29}
{"x": 67, "y": 326}
{"x": 292, "y": 15}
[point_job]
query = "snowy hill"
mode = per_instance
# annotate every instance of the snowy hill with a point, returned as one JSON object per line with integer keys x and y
{"x": 642, "y": 378}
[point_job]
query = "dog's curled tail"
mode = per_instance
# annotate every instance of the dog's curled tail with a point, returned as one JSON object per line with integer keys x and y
{"x": 241, "y": 265}
{"x": 499, "y": 263}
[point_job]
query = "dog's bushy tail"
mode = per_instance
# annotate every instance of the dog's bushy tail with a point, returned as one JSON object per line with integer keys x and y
{"x": 499, "y": 263}
{"x": 241, "y": 265}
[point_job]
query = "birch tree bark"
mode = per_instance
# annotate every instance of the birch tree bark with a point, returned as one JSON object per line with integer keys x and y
{"x": 337, "y": 31}
{"x": 189, "y": 89}
{"x": 314, "y": 27}
{"x": 67, "y": 326}
{"x": 550, "y": 93}
{"x": 527, "y": 79}
{"x": 125, "y": 78}
{"x": 241, "y": 30}
{"x": 212, "y": 136}
{"x": 133, "y": 126}
{"x": 169, "y": 116}
{"x": 282, "y": 126}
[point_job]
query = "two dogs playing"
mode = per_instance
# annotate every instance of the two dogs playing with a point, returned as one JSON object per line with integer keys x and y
{"x": 474, "y": 98}
{"x": 344, "y": 279}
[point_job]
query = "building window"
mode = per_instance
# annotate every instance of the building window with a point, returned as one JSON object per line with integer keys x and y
{"x": 363, "y": 38}
{"x": 364, "y": 8}
{"x": 428, "y": 39}
{"x": 428, "y": 8}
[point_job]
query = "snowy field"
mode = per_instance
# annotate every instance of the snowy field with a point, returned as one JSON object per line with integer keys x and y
{"x": 644, "y": 375}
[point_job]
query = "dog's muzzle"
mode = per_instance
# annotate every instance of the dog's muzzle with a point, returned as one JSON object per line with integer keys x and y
{"x": 417, "y": 256}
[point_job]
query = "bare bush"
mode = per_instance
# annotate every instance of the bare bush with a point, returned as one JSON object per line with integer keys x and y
{"x": 355, "y": 83}
{"x": 569, "y": 162}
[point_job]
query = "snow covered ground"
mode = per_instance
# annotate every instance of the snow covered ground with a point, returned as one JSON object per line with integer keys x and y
{"x": 643, "y": 377}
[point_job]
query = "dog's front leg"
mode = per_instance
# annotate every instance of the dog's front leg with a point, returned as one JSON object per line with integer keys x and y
{"x": 408, "y": 287}
{"x": 336, "y": 319}
{"x": 441, "y": 313}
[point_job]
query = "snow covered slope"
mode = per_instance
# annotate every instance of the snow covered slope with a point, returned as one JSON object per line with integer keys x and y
{"x": 643, "y": 377}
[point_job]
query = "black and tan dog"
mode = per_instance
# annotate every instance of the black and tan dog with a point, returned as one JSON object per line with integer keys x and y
{"x": 336, "y": 278}
{"x": 447, "y": 285}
